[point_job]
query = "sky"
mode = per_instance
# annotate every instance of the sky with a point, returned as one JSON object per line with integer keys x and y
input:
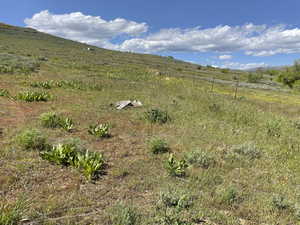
{"x": 231, "y": 34}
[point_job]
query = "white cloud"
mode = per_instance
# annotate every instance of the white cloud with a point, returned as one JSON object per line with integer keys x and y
{"x": 84, "y": 28}
{"x": 254, "y": 40}
{"x": 243, "y": 66}
{"x": 225, "y": 57}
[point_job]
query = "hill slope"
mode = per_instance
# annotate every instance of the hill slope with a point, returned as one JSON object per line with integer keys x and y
{"x": 228, "y": 161}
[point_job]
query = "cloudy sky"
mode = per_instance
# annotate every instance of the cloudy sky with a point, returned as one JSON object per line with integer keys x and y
{"x": 232, "y": 33}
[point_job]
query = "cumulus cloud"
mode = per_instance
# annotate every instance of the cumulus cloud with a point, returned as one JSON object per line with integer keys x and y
{"x": 84, "y": 28}
{"x": 225, "y": 57}
{"x": 254, "y": 40}
{"x": 243, "y": 66}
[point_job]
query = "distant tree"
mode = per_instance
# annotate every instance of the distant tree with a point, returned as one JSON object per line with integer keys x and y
{"x": 297, "y": 65}
{"x": 290, "y": 75}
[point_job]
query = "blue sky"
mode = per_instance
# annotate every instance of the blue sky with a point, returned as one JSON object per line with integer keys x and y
{"x": 231, "y": 33}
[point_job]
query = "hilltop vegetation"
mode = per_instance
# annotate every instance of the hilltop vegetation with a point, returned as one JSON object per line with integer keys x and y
{"x": 191, "y": 153}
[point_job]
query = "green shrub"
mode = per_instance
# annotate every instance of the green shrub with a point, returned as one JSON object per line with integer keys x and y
{"x": 230, "y": 196}
{"x": 173, "y": 208}
{"x": 62, "y": 154}
{"x": 71, "y": 153}
{"x": 90, "y": 163}
{"x": 157, "y": 116}
{"x": 274, "y": 127}
{"x": 33, "y": 96}
{"x": 100, "y": 130}
{"x": 31, "y": 140}
{"x": 200, "y": 158}
{"x": 124, "y": 215}
{"x": 247, "y": 149}
{"x": 254, "y": 77}
{"x": 52, "y": 120}
{"x": 174, "y": 198}
{"x": 176, "y": 168}
{"x": 279, "y": 202}
{"x": 67, "y": 124}
{"x": 157, "y": 145}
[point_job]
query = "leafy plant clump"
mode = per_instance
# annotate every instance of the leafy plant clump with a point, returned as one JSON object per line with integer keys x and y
{"x": 157, "y": 116}
{"x": 4, "y": 93}
{"x": 72, "y": 154}
{"x": 31, "y": 139}
{"x": 175, "y": 167}
{"x": 52, "y": 120}
{"x": 200, "y": 158}
{"x": 61, "y": 154}
{"x": 33, "y": 96}
{"x": 99, "y": 130}
{"x": 91, "y": 163}
{"x": 42, "y": 84}
{"x": 157, "y": 145}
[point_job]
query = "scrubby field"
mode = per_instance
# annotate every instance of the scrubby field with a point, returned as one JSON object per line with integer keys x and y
{"x": 192, "y": 154}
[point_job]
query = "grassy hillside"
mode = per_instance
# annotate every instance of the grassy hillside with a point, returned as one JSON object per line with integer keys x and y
{"x": 192, "y": 154}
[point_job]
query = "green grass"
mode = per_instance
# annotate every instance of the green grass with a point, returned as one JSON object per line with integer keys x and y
{"x": 230, "y": 156}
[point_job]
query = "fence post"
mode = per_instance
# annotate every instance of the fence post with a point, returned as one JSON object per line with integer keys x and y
{"x": 236, "y": 87}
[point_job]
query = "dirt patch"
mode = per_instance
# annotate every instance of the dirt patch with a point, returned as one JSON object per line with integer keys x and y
{"x": 12, "y": 113}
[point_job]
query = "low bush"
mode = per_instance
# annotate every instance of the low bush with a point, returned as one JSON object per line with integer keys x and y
{"x": 200, "y": 158}
{"x": 176, "y": 199}
{"x": 280, "y": 203}
{"x": 157, "y": 116}
{"x": 33, "y": 96}
{"x": 31, "y": 139}
{"x": 274, "y": 127}
{"x": 175, "y": 167}
{"x": 173, "y": 208}
{"x": 157, "y": 145}
{"x": 230, "y": 196}
{"x": 52, "y": 120}
{"x": 99, "y": 130}
{"x": 124, "y": 215}
{"x": 248, "y": 149}
{"x": 254, "y": 77}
